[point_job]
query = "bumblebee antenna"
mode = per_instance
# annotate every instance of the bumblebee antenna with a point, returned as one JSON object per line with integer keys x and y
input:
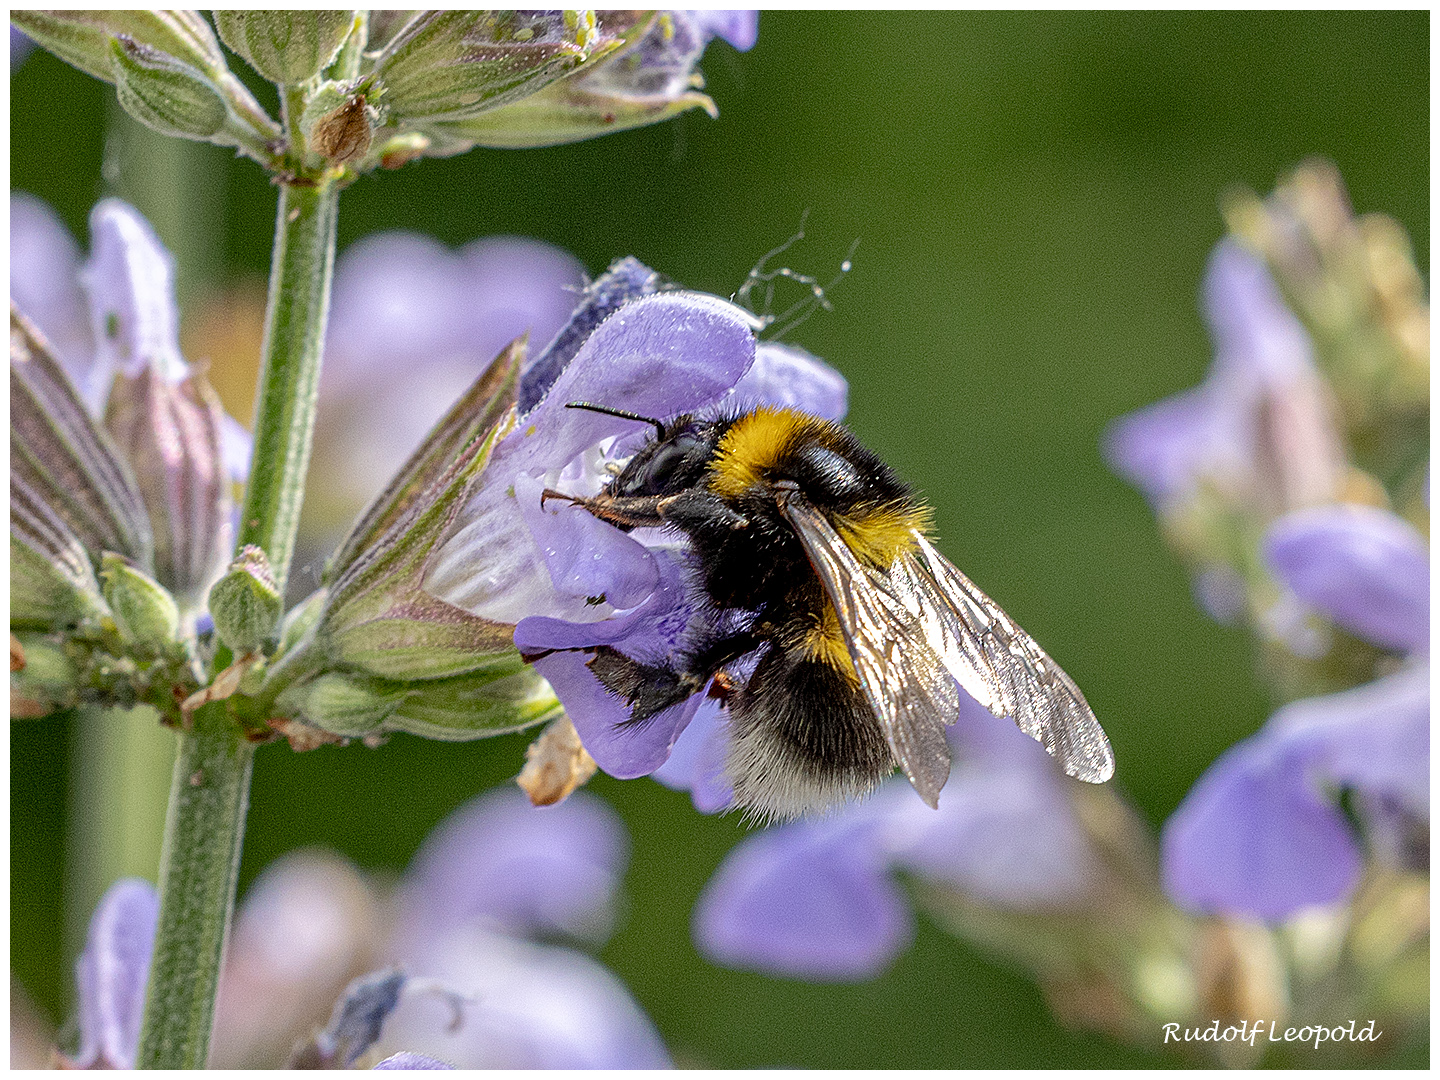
{"x": 623, "y": 414}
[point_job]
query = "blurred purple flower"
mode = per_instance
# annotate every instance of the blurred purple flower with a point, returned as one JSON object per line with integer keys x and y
{"x": 1259, "y": 427}
{"x": 1367, "y": 569}
{"x": 634, "y": 344}
{"x": 739, "y": 28}
{"x": 1262, "y": 832}
{"x": 495, "y": 874}
{"x": 111, "y": 974}
{"x": 818, "y": 899}
{"x": 20, "y": 46}
{"x": 112, "y": 314}
{"x": 411, "y": 325}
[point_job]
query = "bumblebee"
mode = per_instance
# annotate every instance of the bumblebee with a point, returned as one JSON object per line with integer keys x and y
{"x": 822, "y": 583}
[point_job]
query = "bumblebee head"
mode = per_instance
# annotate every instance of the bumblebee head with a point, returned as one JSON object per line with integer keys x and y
{"x": 674, "y": 461}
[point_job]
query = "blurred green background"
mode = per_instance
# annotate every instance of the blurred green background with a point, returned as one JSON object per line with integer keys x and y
{"x": 1034, "y": 197}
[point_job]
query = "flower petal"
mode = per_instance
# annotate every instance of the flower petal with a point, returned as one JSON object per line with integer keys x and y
{"x": 1366, "y": 569}
{"x": 1255, "y": 837}
{"x": 586, "y": 557}
{"x": 130, "y": 279}
{"x": 525, "y": 869}
{"x": 623, "y": 749}
{"x": 1374, "y": 738}
{"x": 45, "y": 286}
{"x": 1164, "y": 448}
{"x": 791, "y": 378}
{"x": 1261, "y": 835}
{"x": 739, "y": 28}
{"x": 658, "y": 356}
{"x": 1006, "y": 831}
{"x": 811, "y": 900}
{"x": 652, "y": 632}
{"x": 1254, "y": 331}
{"x": 111, "y": 974}
{"x": 533, "y": 1007}
{"x": 697, "y": 760}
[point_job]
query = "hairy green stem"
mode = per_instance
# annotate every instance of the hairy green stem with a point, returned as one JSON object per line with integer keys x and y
{"x": 205, "y": 824}
{"x": 199, "y": 863}
{"x": 300, "y": 273}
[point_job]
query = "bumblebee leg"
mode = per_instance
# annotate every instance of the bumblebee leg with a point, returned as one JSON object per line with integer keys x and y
{"x": 628, "y": 512}
{"x": 653, "y": 688}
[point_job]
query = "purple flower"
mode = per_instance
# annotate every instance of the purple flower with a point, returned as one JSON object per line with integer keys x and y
{"x": 114, "y": 314}
{"x": 1262, "y": 832}
{"x": 112, "y": 972}
{"x": 818, "y": 899}
{"x": 411, "y": 325}
{"x": 477, "y": 991}
{"x": 739, "y": 28}
{"x": 20, "y": 47}
{"x": 1366, "y": 569}
{"x": 1258, "y": 428}
{"x": 572, "y": 582}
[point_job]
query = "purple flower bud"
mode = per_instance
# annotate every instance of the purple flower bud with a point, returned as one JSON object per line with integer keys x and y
{"x": 1366, "y": 569}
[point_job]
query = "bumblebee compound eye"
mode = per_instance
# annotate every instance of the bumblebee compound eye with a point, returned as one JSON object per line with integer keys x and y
{"x": 657, "y": 474}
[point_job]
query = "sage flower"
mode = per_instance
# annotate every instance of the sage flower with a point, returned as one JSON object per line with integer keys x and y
{"x": 1259, "y": 428}
{"x": 569, "y": 581}
{"x": 475, "y": 925}
{"x": 650, "y": 78}
{"x": 412, "y": 323}
{"x": 821, "y": 899}
{"x": 1262, "y": 833}
{"x": 111, "y": 974}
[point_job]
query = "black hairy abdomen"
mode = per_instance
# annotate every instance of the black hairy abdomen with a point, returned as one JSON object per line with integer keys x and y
{"x": 813, "y": 715}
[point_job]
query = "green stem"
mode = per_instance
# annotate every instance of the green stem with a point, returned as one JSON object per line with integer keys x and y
{"x": 198, "y": 868}
{"x": 300, "y": 273}
{"x": 210, "y": 787}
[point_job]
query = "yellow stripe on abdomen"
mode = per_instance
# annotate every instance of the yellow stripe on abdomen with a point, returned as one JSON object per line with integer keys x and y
{"x": 878, "y": 535}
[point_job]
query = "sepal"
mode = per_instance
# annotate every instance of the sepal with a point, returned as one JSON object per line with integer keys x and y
{"x": 62, "y": 467}
{"x": 170, "y": 432}
{"x": 285, "y": 46}
{"x": 52, "y": 586}
{"x": 449, "y": 65}
{"x": 504, "y": 695}
{"x": 477, "y": 413}
{"x": 379, "y": 619}
{"x": 165, "y": 94}
{"x": 83, "y": 38}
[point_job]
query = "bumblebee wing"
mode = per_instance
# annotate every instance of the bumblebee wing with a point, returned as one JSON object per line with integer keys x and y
{"x": 905, "y": 683}
{"x": 1003, "y": 667}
